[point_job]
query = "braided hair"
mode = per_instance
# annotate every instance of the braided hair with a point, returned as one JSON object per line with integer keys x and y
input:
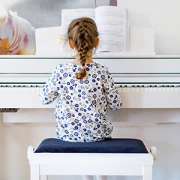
{"x": 83, "y": 33}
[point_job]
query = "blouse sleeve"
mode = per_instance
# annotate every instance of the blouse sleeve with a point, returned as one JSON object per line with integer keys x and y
{"x": 112, "y": 96}
{"x": 50, "y": 90}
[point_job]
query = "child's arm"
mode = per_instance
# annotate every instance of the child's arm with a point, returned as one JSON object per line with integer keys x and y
{"x": 112, "y": 96}
{"x": 50, "y": 92}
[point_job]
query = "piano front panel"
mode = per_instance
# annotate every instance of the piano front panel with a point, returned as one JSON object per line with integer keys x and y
{"x": 144, "y": 83}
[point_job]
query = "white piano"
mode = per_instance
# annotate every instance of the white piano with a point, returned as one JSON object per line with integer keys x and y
{"x": 144, "y": 82}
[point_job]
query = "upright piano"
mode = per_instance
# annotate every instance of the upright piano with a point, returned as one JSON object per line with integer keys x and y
{"x": 144, "y": 82}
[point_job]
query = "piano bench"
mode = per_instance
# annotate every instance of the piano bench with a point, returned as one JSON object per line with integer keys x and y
{"x": 114, "y": 157}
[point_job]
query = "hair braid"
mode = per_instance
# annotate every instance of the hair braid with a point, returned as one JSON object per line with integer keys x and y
{"x": 83, "y": 33}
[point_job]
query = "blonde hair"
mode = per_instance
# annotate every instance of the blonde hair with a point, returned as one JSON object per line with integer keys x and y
{"x": 82, "y": 32}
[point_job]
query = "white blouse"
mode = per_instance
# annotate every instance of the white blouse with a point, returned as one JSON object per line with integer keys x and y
{"x": 82, "y": 103}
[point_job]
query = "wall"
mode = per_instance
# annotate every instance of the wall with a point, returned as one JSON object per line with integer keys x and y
{"x": 43, "y": 13}
{"x": 15, "y": 138}
{"x": 159, "y": 14}
{"x": 163, "y": 15}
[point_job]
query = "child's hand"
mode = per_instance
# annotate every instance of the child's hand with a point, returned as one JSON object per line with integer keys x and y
{"x": 60, "y": 39}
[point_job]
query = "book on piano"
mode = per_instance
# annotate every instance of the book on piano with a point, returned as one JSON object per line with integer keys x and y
{"x": 112, "y": 23}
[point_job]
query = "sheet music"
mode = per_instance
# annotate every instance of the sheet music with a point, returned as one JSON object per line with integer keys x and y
{"x": 112, "y": 25}
{"x": 70, "y": 14}
{"x": 111, "y": 22}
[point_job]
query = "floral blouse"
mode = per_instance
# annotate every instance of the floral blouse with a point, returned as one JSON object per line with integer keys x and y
{"x": 82, "y": 103}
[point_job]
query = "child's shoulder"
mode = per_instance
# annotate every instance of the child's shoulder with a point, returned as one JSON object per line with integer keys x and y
{"x": 62, "y": 65}
{"x": 100, "y": 66}
{"x": 96, "y": 65}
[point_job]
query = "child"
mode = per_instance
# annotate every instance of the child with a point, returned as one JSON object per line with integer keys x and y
{"x": 83, "y": 89}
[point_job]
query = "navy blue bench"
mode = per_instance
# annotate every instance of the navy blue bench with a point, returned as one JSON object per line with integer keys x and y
{"x": 52, "y": 145}
{"x": 114, "y": 157}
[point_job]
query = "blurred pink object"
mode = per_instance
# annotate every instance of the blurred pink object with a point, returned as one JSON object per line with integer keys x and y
{"x": 113, "y": 2}
{"x": 17, "y": 35}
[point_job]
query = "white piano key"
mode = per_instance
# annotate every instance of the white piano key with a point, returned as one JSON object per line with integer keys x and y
{"x": 128, "y": 89}
{"x": 150, "y": 89}
{"x": 19, "y": 89}
{"x": 158, "y": 89}
{"x": 124, "y": 89}
{"x": 137, "y": 89}
{"x": 150, "y": 97}
{"x": 120, "y": 90}
{"x": 10, "y": 90}
{"x": 15, "y": 89}
{"x": 32, "y": 89}
{"x": 154, "y": 89}
{"x": 171, "y": 89}
{"x": 28, "y": 89}
{"x": 2, "y": 89}
{"x": 176, "y": 89}
{"x": 37, "y": 89}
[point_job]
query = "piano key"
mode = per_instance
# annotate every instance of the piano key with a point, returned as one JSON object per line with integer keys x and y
{"x": 136, "y": 89}
{"x": 171, "y": 89}
{"x": 128, "y": 89}
{"x": 164, "y": 90}
{"x": 158, "y": 89}
{"x": 2, "y": 89}
{"x": 150, "y": 89}
{"x": 28, "y": 89}
{"x": 124, "y": 89}
{"x": 154, "y": 89}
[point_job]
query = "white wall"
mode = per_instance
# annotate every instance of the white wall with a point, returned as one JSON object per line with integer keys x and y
{"x": 39, "y": 12}
{"x": 163, "y": 15}
{"x": 15, "y": 138}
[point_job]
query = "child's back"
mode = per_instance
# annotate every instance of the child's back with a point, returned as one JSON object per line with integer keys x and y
{"x": 82, "y": 103}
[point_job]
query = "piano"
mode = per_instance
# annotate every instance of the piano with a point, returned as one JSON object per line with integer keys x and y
{"x": 147, "y": 84}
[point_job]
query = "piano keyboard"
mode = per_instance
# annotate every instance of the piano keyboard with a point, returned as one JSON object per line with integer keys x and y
{"x": 118, "y": 85}
{"x": 2, "y": 110}
{"x": 133, "y": 95}
{"x": 149, "y": 88}
{"x": 152, "y": 82}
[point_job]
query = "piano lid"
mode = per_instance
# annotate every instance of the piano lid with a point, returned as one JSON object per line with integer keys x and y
{"x": 117, "y": 63}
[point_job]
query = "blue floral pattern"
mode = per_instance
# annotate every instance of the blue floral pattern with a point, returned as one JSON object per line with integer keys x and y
{"x": 82, "y": 103}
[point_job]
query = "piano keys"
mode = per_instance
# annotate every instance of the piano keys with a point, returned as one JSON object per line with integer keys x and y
{"x": 16, "y": 96}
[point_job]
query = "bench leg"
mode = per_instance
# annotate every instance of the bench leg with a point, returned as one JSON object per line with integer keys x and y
{"x": 97, "y": 177}
{"x": 101, "y": 177}
{"x": 44, "y": 177}
{"x": 34, "y": 174}
{"x": 147, "y": 173}
{"x": 87, "y": 177}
